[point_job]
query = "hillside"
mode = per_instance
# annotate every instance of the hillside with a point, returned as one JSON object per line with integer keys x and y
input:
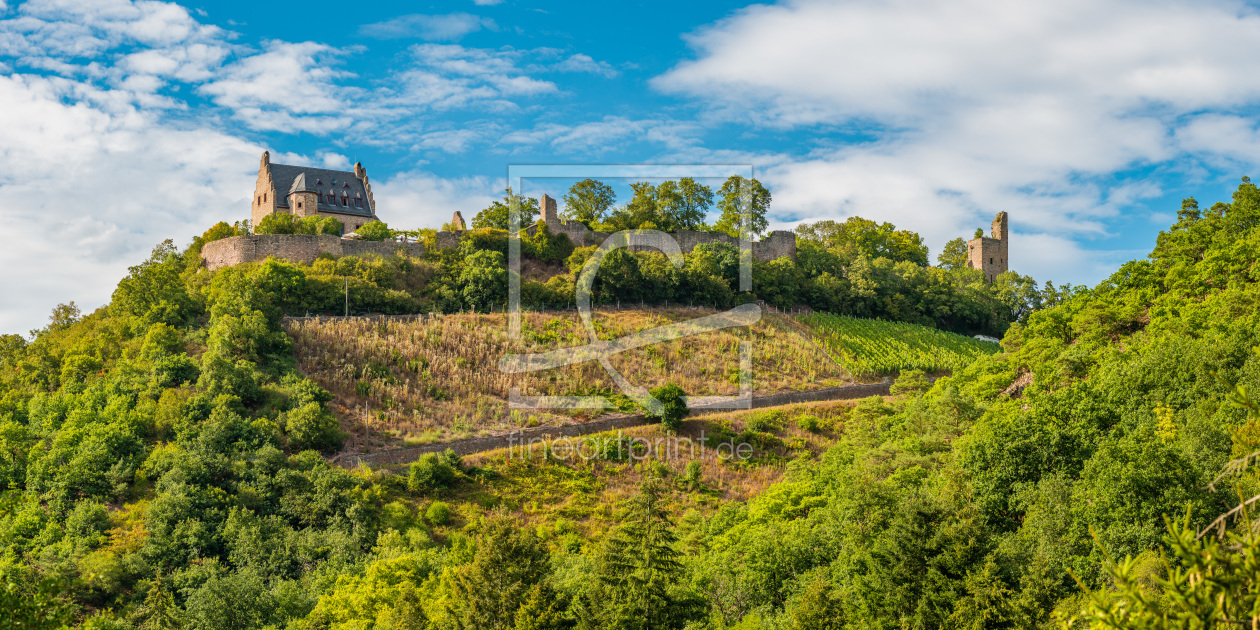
{"x": 164, "y": 463}
{"x": 400, "y": 382}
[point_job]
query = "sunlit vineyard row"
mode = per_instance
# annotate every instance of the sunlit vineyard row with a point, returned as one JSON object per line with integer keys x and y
{"x": 873, "y": 347}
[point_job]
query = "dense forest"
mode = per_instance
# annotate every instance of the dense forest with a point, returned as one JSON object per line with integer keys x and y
{"x": 163, "y": 460}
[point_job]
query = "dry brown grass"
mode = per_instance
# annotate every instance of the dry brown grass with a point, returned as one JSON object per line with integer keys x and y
{"x": 587, "y": 494}
{"x": 417, "y": 382}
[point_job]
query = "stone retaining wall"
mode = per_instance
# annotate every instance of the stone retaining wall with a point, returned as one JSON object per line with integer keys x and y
{"x": 468, "y": 446}
{"x": 295, "y": 247}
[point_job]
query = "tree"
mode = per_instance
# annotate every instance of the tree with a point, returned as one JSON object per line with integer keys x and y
{"x": 857, "y": 236}
{"x": 497, "y": 213}
{"x": 670, "y": 395}
{"x": 642, "y": 212}
{"x": 154, "y": 290}
{"x": 374, "y": 231}
{"x": 508, "y": 565}
{"x": 278, "y": 223}
{"x": 483, "y": 280}
{"x": 737, "y": 196}
{"x": 637, "y": 573}
{"x": 588, "y": 201}
{"x": 954, "y": 256}
{"x": 684, "y": 203}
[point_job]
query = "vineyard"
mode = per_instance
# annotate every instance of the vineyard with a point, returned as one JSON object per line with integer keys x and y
{"x": 871, "y": 347}
{"x": 438, "y": 378}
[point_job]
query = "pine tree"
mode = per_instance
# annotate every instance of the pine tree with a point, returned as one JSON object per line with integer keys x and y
{"x": 637, "y": 573}
{"x": 508, "y": 566}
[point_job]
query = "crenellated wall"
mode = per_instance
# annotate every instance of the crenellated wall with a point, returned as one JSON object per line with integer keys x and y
{"x": 296, "y": 247}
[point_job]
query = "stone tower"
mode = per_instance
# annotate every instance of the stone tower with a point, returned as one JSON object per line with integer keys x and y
{"x": 549, "y": 214}
{"x": 989, "y": 253}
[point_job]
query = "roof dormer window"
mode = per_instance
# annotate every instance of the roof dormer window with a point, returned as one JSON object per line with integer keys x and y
{"x": 358, "y": 203}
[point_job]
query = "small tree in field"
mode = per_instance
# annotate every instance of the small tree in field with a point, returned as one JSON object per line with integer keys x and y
{"x": 671, "y": 395}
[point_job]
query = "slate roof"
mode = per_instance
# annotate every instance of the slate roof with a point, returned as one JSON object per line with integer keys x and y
{"x": 323, "y": 181}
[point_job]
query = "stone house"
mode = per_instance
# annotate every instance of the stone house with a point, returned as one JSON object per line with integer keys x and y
{"x": 303, "y": 192}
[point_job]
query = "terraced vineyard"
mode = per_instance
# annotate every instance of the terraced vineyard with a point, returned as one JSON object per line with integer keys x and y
{"x": 873, "y": 347}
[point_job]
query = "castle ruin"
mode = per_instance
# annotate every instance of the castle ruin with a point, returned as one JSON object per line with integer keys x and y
{"x": 988, "y": 253}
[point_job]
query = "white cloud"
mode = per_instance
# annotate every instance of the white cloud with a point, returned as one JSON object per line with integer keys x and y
{"x": 417, "y": 199}
{"x": 450, "y": 27}
{"x": 979, "y": 106}
{"x": 87, "y": 191}
{"x": 487, "y": 3}
{"x": 610, "y": 133}
{"x": 584, "y": 63}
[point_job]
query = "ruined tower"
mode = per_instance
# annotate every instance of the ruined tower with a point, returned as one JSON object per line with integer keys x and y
{"x": 989, "y": 253}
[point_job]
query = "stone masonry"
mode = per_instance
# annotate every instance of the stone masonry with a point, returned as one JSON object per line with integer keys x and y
{"x": 989, "y": 253}
{"x": 296, "y": 247}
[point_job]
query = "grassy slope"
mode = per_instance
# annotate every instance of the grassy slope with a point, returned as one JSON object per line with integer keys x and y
{"x": 582, "y": 496}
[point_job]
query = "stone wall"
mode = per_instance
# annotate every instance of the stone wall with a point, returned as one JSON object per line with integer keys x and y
{"x": 295, "y": 247}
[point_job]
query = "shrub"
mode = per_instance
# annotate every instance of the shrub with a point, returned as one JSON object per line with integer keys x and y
{"x": 374, "y": 231}
{"x": 438, "y": 513}
{"x": 278, "y": 223}
{"x": 310, "y": 427}
{"x": 808, "y": 422}
{"x": 695, "y": 468}
{"x": 671, "y": 395}
{"x": 765, "y": 421}
{"x": 430, "y": 473}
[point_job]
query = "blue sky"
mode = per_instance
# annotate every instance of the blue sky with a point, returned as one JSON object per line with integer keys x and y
{"x": 126, "y": 123}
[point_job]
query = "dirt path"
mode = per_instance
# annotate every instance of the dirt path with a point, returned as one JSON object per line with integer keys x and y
{"x": 468, "y": 446}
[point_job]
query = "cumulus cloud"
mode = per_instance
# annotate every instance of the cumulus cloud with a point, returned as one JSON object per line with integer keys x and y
{"x": 419, "y": 199}
{"x": 449, "y": 27}
{"x": 88, "y": 191}
{"x": 978, "y": 106}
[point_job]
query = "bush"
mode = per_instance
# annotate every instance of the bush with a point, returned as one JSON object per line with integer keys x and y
{"x": 808, "y": 422}
{"x": 310, "y": 427}
{"x": 765, "y": 421}
{"x": 374, "y": 231}
{"x": 277, "y": 223}
{"x": 671, "y": 395}
{"x": 430, "y": 473}
{"x": 438, "y": 513}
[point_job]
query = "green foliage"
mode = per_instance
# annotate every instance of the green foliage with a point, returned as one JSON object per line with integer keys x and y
{"x": 866, "y": 346}
{"x": 675, "y": 409}
{"x": 954, "y": 255}
{"x": 684, "y": 203}
{"x": 497, "y": 214}
{"x": 311, "y": 427}
{"x": 431, "y": 473}
{"x": 861, "y": 237}
{"x": 438, "y": 513}
{"x": 588, "y": 201}
{"x": 374, "y": 231}
{"x": 743, "y": 203}
{"x": 508, "y": 575}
